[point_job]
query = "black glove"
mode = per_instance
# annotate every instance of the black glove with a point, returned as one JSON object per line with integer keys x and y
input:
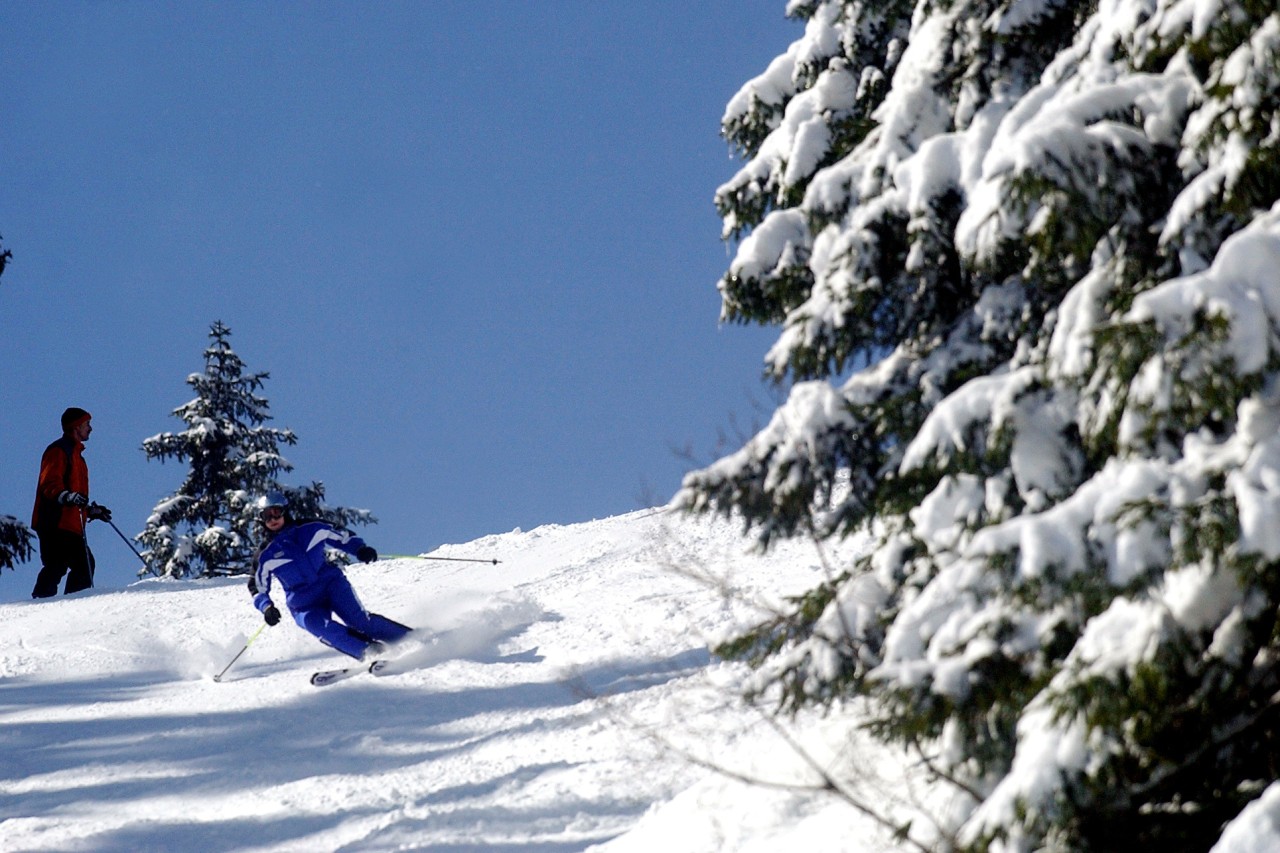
{"x": 271, "y": 614}
{"x": 366, "y": 554}
{"x": 99, "y": 512}
{"x": 72, "y": 499}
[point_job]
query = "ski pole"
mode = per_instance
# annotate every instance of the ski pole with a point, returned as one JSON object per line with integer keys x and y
{"x": 494, "y": 561}
{"x": 126, "y": 541}
{"x": 88, "y": 555}
{"x": 247, "y": 644}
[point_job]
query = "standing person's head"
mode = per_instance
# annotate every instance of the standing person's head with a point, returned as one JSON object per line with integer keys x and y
{"x": 76, "y": 423}
{"x": 273, "y": 510}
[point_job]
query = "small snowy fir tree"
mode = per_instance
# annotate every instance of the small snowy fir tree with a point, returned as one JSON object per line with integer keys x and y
{"x": 208, "y": 528}
{"x": 1025, "y": 260}
{"x": 15, "y": 542}
{"x": 5, "y": 256}
{"x": 15, "y": 538}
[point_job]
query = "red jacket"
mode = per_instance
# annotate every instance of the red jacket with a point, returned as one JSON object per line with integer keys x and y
{"x": 62, "y": 469}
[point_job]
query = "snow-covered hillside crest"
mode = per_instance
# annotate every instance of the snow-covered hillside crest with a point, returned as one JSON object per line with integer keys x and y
{"x": 1052, "y": 231}
{"x": 561, "y": 706}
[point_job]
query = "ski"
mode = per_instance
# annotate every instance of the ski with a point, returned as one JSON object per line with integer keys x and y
{"x": 331, "y": 676}
{"x": 326, "y": 677}
{"x": 381, "y": 667}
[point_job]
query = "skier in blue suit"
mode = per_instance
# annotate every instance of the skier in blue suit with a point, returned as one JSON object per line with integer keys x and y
{"x": 316, "y": 590}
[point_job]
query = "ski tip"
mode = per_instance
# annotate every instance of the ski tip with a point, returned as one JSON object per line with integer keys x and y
{"x": 329, "y": 676}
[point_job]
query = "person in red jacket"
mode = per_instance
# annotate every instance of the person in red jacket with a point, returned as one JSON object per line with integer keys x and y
{"x": 62, "y": 509}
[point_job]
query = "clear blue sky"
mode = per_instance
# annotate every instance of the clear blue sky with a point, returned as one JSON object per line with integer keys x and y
{"x": 473, "y": 244}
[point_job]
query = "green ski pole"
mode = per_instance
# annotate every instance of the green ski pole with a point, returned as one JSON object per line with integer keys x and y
{"x": 494, "y": 561}
{"x": 247, "y": 644}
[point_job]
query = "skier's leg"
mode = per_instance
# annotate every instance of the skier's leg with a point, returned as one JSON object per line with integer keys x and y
{"x": 349, "y": 609}
{"x": 330, "y": 632}
{"x": 81, "y": 564}
{"x": 386, "y": 630}
{"x": 53, "y": 560}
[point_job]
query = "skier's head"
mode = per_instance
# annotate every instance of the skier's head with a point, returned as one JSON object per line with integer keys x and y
{"x": 273, "y": 506}
{"x": 75, "y": 422}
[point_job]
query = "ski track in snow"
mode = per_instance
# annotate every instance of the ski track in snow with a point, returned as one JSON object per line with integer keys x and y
{"x": 551, "y": 705}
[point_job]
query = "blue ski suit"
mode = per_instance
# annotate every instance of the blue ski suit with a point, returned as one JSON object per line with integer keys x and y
{"x": 316, "y": 590}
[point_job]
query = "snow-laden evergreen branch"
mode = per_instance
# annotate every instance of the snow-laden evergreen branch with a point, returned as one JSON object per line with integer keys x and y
{"x": 1050, "y": 231}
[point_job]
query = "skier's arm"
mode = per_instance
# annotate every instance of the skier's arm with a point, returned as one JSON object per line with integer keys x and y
{"x": 346, "y": 541}
{"x": 357, "y": 547}
{"x": 53, "y": 468}
{"x": 52, "y": 483}
{"x": 349, "y": 542}
{"x": 262, "y": 601}
{"x": 260, "y": 588}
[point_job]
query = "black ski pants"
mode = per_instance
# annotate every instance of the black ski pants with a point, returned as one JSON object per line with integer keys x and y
{"x": 63, "y": 553}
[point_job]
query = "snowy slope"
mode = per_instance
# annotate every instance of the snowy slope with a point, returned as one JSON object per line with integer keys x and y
{"x": 568, "y": 702}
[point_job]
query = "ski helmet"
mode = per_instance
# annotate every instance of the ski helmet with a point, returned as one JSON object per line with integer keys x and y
{"x": 273, "y": 498}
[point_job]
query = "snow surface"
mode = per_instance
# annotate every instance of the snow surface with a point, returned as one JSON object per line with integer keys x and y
{"x": 567, "y": 701}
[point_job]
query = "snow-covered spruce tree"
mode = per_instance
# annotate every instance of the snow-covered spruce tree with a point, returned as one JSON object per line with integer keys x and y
{"x": 1047, "y": 233}
{"x": 208, "y": 527}
{"x": 15, "y": 538}
{"x": 15, "y": 542}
